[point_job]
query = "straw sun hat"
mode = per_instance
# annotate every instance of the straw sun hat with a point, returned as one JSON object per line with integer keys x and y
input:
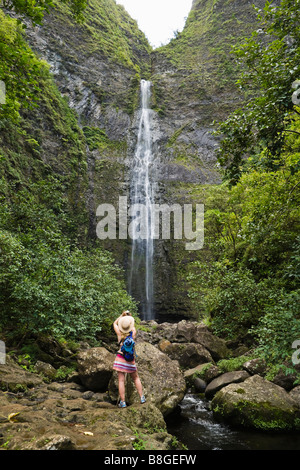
{"x": 126, "y": 324}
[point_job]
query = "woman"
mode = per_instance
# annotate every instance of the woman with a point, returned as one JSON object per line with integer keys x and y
{"x": 123, "y": 326}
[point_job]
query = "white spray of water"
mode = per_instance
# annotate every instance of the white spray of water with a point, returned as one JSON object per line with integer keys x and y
{"x": 142, "y": 192}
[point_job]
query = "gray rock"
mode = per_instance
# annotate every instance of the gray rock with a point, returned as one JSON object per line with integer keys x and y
{"x": 284, "y": 380}
{"x": 190, "y": 372}
{"x": 162, "y": 380}
{"x": 295, "y": 394}
{"x": 95, "y": 368}
{"x": 194, "y": 332}
{"x": 211, "y": 373}
{"x": 257, "y": 403}
{"x": 59, "y": 442}
{"x": 185, "y": 331}
{"x": 46, "y": 369}
{"x": 13, "y": 378}
{"x": 255, "y": 366}
{"x": 215, "y": 345}
{"x": 188, "y": 355}
{"x": 200, "y": 385}
{"x": 225, "y": 379}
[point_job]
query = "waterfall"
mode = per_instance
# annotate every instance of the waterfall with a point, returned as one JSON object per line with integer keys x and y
{"x": 142, "y": 192}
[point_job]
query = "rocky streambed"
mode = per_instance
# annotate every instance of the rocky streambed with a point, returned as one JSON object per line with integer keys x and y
{"x": 40, "y": 411}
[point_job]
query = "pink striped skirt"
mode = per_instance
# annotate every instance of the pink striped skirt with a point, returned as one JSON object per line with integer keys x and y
{"x": 121, "y": 365}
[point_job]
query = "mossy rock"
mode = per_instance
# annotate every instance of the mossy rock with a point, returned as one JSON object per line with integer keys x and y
{"x": 258, "y": 404}
{"x": 14, "y": 378}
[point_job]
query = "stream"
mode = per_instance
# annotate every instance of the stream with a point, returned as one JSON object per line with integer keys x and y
{"x": 195, "y": 427}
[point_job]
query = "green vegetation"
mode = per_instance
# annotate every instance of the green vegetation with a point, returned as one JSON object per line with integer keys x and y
{"x": 52, "y": 281}
{"x": 96, "y": 138}
{"x": 263, "y": 417}
{"x": 19, "y": 69}
{"x": 35, "y": 10}
{"x": 246, "y": 281}
{"x": 109, "y": 31}
{"x": 202, "y": 49}
{"x": 262, "y": 127}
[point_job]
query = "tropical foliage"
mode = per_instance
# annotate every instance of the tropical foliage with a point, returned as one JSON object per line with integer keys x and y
{"x": 248, "y": 287}
{"x": 51, "y": 279}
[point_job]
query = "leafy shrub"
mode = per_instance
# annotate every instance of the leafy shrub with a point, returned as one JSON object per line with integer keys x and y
{"x": 48, "y": 282}
{"x": 279, "y": 328}
{"x": 67, "y": 292}
{"x": 232, "y": 300}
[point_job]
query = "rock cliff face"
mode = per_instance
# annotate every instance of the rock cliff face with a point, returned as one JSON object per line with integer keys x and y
{"x": 98, "y": 65}
{"x": 193, "y": 86}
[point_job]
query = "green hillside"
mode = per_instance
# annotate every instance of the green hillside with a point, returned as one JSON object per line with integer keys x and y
{"x": 202, "y": 51}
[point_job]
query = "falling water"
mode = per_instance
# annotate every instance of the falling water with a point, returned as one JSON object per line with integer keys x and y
{"x": 142, "y": 192}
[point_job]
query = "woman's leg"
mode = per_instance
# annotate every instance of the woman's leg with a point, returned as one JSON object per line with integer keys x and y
{"x": 137, "y": 383}
{"x": 121, "y": 377}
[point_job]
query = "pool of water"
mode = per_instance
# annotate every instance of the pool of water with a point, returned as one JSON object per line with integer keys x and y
{"x": 195, "y": 427}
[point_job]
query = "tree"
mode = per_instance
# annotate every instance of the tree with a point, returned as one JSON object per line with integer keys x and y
{"x": 47, "y": 283}
{"x": 271, "y": 68}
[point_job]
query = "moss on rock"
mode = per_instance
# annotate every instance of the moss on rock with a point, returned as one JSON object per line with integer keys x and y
{"x": 256, "y": 404}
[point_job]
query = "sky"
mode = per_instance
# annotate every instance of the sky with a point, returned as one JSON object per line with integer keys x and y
{"x": 158, "y": 19}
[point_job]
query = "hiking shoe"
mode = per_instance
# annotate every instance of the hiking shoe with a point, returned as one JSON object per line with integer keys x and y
{"x": 143, "y": 399}
{"x": 122, "y": 404}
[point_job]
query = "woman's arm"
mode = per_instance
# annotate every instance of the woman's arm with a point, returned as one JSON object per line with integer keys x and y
{"x": 116, "y": 328}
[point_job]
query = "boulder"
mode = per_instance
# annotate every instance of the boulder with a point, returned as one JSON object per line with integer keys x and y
{"x": 215, "y": 345}
{"x": 163, "y": 344}
{"x": 256, "y": 403}
{"x": 184, "y": 331}
{"x": 194, "y": 332}
{"x": 188, "y": 374}
{"x": 295, "y": 395}
{"x": 46, "y": 369}
{"x": 211, "y": 372}
{"x": 208, "y": 372}
{"x": 255, "y": 366}
{"x": 199, "y": 385}
{"x": 59, "y": 442}
{"x": 154, "y": 332}
{"x": 225, "y": 379}
{"x": 14, "y": 378}
{"x": 286, "y": 380}
{"x": 161, "y": 377}
{"x": 188, "y": 355}
{"x": 95, "y": 368}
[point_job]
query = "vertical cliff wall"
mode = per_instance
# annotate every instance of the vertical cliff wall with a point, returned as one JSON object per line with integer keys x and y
{"x": 97, "y": 67}
{"x": 194, "y": 86}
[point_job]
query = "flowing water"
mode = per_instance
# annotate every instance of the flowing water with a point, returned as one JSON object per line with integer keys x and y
{"x": 142, "y": 194}
{"x": 196, "y": 428}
